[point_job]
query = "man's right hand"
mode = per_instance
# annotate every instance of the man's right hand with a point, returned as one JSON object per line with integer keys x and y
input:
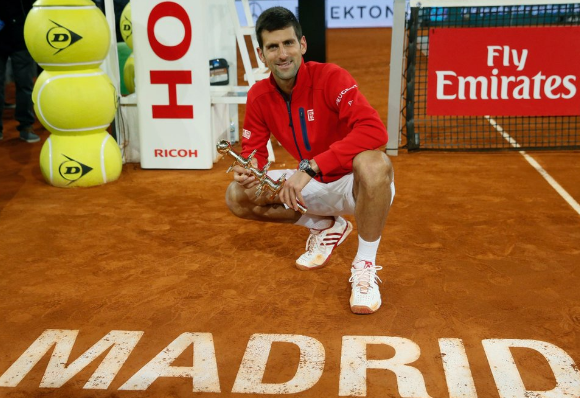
{"x": 244, "y": 177}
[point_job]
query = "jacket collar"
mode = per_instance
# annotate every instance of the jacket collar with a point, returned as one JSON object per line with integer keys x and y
{"x": 301, "y": 83}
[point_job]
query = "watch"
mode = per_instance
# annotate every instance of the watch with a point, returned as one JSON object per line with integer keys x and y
{"x": 305, "y": 167}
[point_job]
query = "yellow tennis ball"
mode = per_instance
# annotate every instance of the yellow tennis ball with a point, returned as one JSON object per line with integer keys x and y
{"x": 63, "y": 34}
{"x": 74, "y": 101}
{"x": 83, "y": 160}
{"x": 129, "y": 74}
{"x": 126, "y": 26}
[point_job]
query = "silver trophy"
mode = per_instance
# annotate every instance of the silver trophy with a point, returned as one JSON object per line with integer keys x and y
{"x": 265, "y": 183}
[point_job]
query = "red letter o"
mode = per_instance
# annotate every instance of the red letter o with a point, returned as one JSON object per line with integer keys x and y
{"x": 169, "y": 9}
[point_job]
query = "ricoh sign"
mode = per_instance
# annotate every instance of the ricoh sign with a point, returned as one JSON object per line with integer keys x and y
{"x": 504, "y": 71}
{"x": 172, "y": 82}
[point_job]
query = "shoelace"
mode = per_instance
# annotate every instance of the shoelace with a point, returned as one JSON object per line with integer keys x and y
{"x": 362, "y": 277}
{"x": 314, "y": 242}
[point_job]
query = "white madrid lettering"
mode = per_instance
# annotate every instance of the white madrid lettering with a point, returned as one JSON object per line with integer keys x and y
{"x": 57, "y": 373}
{"x": 354, "y": 364}
{"x": 203, "y": 373}
{"x": 508, "y": 380}
{"x": 456, "y": 368}
{"x": 253, "y": 366}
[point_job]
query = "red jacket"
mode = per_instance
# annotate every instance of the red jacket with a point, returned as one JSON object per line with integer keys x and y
{"x": 327, "y": 118}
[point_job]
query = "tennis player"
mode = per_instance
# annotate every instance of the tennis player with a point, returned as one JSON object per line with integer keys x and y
{"x": 317, "y": 113}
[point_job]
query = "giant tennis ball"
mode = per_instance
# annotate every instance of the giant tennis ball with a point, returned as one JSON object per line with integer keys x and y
{"x": 82, "y": 160}
{"x": 129, "y": 74}
{"x": 74, "y": 101}
{"x": 125, "y": 26}
{"x": 67, "y": 34}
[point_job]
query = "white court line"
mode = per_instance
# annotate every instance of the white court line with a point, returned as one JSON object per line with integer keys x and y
{"x": 571, "y": 201}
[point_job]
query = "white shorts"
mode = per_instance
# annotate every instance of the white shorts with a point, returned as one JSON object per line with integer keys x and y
{"x": 330, "y": 199}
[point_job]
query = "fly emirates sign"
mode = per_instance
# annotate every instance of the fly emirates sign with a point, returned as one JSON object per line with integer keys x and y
{"x": 532, "y": 71}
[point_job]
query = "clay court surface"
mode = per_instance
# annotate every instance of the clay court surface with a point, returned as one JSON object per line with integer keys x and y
{"x": 477, "y": 246}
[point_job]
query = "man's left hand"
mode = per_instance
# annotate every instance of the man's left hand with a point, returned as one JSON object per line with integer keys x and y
{"x": 291, "y": 192}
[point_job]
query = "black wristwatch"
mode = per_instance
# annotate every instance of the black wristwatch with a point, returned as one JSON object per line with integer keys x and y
{"x": 305, "y": 167}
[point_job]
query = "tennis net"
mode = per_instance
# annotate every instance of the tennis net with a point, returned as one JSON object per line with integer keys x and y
{"x": 424, "y": 131}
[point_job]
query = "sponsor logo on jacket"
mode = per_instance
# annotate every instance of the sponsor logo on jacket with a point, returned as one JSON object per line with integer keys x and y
{"x": 342, "y": 93}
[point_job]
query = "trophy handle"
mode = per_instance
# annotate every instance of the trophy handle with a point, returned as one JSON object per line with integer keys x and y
{"x": 301, "y": 208}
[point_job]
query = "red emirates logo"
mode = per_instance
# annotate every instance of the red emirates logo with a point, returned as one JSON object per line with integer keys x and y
{"x": 504, "y": 71}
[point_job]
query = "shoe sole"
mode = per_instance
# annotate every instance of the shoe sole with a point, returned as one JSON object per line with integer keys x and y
{"x": 364, "y": 310}
{"x": 342, "y": 238}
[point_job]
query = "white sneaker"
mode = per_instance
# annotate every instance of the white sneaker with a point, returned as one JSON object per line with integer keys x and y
{"x": 365, "y": 297}
{"x": 321, "y": 243}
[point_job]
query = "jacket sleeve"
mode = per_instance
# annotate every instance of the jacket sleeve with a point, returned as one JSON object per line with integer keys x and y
{"x": 366, "y": 130}
{"x": 255, "y": 133}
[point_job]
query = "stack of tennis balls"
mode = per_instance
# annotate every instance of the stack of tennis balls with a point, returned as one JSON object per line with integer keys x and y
{"x": 126, "y": 28}
{"x": 73, "y": 98}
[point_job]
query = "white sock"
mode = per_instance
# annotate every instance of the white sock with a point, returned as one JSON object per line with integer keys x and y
{"x": 367, "y": 251}
{"x": 315, "y": 222}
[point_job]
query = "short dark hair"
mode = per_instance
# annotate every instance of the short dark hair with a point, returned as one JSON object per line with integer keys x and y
{"x": 276, "y": 18}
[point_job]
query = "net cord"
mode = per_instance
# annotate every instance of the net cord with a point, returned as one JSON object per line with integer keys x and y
{"x": 412, "y": 137}
{"x": 485, "y": 3}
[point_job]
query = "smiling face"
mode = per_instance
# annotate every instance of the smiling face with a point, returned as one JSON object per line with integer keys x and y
{"x": 282, "y": 53}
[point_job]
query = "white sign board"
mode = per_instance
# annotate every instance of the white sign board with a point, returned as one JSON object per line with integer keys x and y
{"x": 259, "y": 6}
{"x": 359, "y": 13}
{"x": 339, "y": 13}
{"x": 172, "y": 84}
